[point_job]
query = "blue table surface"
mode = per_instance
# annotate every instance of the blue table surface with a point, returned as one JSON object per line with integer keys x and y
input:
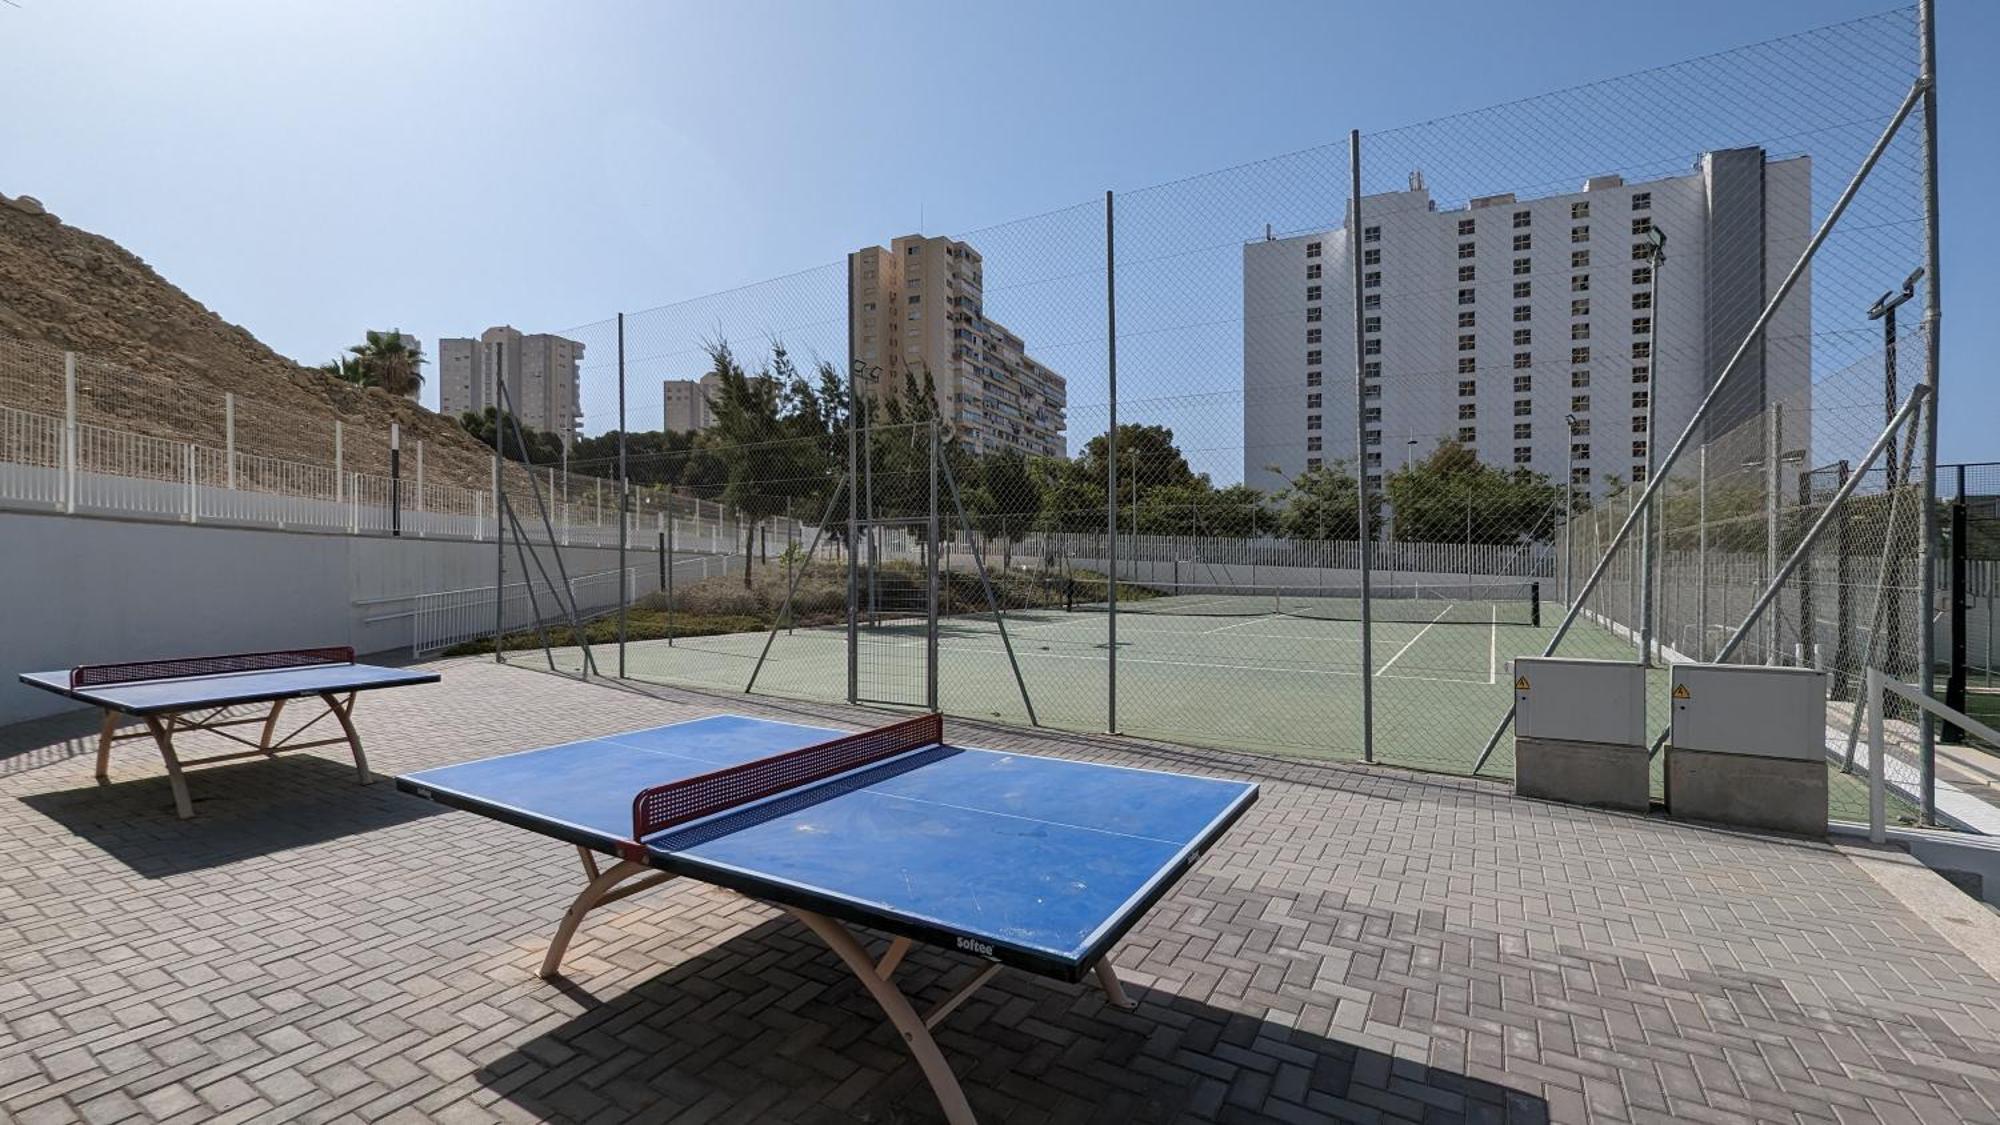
{"x": 187, "y": 692}
{"x": 1041, "y": 853}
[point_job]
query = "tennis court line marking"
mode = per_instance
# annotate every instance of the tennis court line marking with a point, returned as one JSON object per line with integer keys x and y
{"x": 1238, "y": 625}
{"x": 1281, "y": 669}
{"x": 1415, "y": 639}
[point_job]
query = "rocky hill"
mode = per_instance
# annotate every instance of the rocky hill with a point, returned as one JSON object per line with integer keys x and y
{"x": 156, "y": 361}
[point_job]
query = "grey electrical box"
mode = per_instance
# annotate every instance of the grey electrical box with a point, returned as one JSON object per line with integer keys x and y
{"x": 1580, "y": 732}
{"x": 1580, "y": 700}
{"x": 1750, "y": 709}
{"x": 1748, "y": 747}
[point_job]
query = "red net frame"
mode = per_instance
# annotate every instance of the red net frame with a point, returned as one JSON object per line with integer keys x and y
{"x": 677, "y": 802}
{"x": 138, "y": 671}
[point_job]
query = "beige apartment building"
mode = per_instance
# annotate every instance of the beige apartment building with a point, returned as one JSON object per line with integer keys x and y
{"x": 541, "y": 374}
{"x": 688, "y": 404}
{"x": 915, "y": 307}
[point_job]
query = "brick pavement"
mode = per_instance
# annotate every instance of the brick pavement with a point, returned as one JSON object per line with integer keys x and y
{"x": 1366, "y": 945}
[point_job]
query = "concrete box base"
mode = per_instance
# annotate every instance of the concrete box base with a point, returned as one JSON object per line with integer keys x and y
{"x": 1747, "y": 791}
{"x": 1606, "y": 774}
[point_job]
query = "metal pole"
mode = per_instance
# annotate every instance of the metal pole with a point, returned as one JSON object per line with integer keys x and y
{"x": 853, "y": 494}
{"x": 1954, "y": 688}
{"x": 1648, "y": 558}
{"x": 1111, "y": 457}
{"x": 499, "y": 558}
{"x": 1883, "y": 572}
{"x": 931, "y": 578}
{"x": 395, "y": 479}
{"x": 1877, "y": 760}
{"x": 1569, "y": 513}
{"x": 1933, "y": 315}
{"x": 1709, "y": 399}
{"x": 229, "y": 437}
{"x": 339, "y": 477}
{"x": 668, "y": 567}
{"x": 1773, "y": 419}
{"x": 1364, "y": 534}
{"x": 1700, "y": 552}
{"x": 624, "y": 501}
{"x": 70, "y": 434}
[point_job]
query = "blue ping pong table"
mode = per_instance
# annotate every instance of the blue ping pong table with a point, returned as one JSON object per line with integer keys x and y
{"x": 203, "y": 693}
{"x": 1033, "y": 862}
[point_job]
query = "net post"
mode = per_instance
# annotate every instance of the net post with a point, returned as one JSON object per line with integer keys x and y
{"x": 1365, "y": 534}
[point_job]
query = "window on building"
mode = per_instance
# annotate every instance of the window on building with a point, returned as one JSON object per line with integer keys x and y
{"x": 1467, "y": 249}
{"x": 1642, "y": 225}
{"x": 1468, "y": 296}
{"x": 1639, "y": 400}
{"x": 1313, "y": 379}
{"x": 1580, "y": 330}
{"x": 1523, "y": 454}
{"x": 1642, "y": 251}
{"x": 1581, "y": 428}
{"x": 1467, "y": 388}
{"x": 1642, "y": 349}
{"x": 1375, "y": 481}
{"x": 1642, "y": 374}
{"x": 1579, "y": 259}
{"x": 1642, "y": 201}
{"x": 1372, "y": 369}
{"x": 1639, "y": 450}
{"x": 1523, "y": 360}
{"x": 1313, "y": 401}
{"x": 1313, "y": 272}
{"x": 1312, "y": 249}
{"x": 1524, "y": 407}
{"x": 1371, "y": 301}
{"x": 1580, "y": 450}
{"x": 1523, "y": 267}
{"x": 1579, "y": 355}
{"x": 1312, "y": 293}
{"x": 1523, "y": 290}
{"x": 1464, "y": 226}
{"x": 1467, "y": 435}
{"x": 1524, "y": 242}
{"x": 916, "y": 298}
{"x": 1579, "y": 476}
{"x": 1579, "y": 283}
{"x": 1523, "y": 314}
{"x": 1467, "y": 365}
{"x": 1371, "y": 347}
{"x": 1315, "y": 462}
{"x": 1313, "y": 358}
{"x": 1579, "y": 378}
{"x": 1466, "y": 320}
{"x": 1642, "y": 326}
{"x": 1579, "y": 403}
{"x": 1371, "y": 437}
{"x": 1313, "y": 315}
{"x": 1642, "y": 275}
{"x": 1638, "y": 473}
{"x": 1371, "y": 234}
{"x": 1580, "y": 307}
{"x": 1468, "y": 411}
{"x": 1314, "y": 443}
{"x": 1371, "y": 257}
{"x": 1580, "y": 233}
{"x": 1373, "y": 457}
{"x": 1523, "y": 384}
{"x": 1313, "y": 335}
{"x": 1371, "y": 324}
{"x": 1638, "y": 423}
{"x": 1372, "y": 414}
{"x": 1523, "y": 337}
{"x": 1467, "y": 342}
{"x": 1371, "y": 280}
{"x": 1643, "y": 299}
{"x": 1312, "y": 421}
{"x": 1467, "y": 273}
{"x": 1522, "y": 219}
{"x": 1580, "y": 209}
{"x": 1371, "y": 390}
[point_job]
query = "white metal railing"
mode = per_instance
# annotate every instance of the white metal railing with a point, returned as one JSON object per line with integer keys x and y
{"x": 1878, "y": 744}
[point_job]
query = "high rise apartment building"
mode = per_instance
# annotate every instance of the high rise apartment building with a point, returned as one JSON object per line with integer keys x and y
{"x": 688, "y": 404}
{"x": 916, "y": 308}
{"x": 1497, "y": 323}
{"x": 540, "y": 372}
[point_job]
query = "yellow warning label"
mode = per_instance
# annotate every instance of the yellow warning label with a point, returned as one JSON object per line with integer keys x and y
{"x": 1681, "y": 692}
{"x": 1520, "y": 683}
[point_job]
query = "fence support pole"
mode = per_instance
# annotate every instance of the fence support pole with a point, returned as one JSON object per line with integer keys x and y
{"x": 1878, "y": 760}
{"x": 1700, "y": 415}
{"x": 70, "y": 433}
{"x": 193, "y": 504}
{"x": 1111, "y": 455}
{"x": 1701, "y": 553}
{"x": 229, "y": 436}
{"x": 499, "y": 552}
{"x": 1365, "y": 533}
{"x": 853, "y": 498}
{"x": 1933, "y": 317}
{"x": 624, "y": 502}
{"x": 339, "y": 477}
{"x": 395, "y": 479}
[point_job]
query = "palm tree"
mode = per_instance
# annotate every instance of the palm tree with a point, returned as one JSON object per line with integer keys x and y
{"x": 392, "y": 361}
{"x": 348, "y": 369}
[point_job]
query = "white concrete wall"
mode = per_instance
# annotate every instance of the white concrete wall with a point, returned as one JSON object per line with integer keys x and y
{"x": 76, "y": 590}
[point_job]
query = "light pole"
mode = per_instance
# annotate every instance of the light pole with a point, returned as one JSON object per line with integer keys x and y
{"x": 1884, "y": 310}
{"x": 1657, "y": 243}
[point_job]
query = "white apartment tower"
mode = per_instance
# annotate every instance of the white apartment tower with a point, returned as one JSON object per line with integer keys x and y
{"x": 541, "y": 374}
{"x": 688, "y": 404}
{"x": 916, "y": 307}
{"x": 1495, "y": 323}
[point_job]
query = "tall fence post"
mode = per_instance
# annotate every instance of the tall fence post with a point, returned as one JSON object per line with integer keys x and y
{"x": 1364, "y": 532}
{"x": 193, "y": 499}
{"x": 624, "y": 496}
{"x": 420, "y": 485}
{"x": 1933, "y": 317}
{"x": 70, "y": 433}
{"x": 229, "y": 437}
{"x": 339, "y": 476}
{"x": 1111, "y": 453}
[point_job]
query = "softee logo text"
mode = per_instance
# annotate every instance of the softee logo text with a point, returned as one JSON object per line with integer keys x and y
{"x": 974, "y": 945}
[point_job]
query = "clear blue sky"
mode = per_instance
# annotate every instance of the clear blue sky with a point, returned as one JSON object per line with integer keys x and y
{"x": 313, "y": 170}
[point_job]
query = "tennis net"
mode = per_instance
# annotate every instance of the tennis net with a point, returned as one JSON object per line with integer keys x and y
{"x": 1470, "y": 603}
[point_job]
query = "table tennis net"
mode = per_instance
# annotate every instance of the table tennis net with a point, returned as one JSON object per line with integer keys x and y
{"x": 139, "y": 671}
{"x": 1507, "y": 602}
{"x": 664, "y": 806}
